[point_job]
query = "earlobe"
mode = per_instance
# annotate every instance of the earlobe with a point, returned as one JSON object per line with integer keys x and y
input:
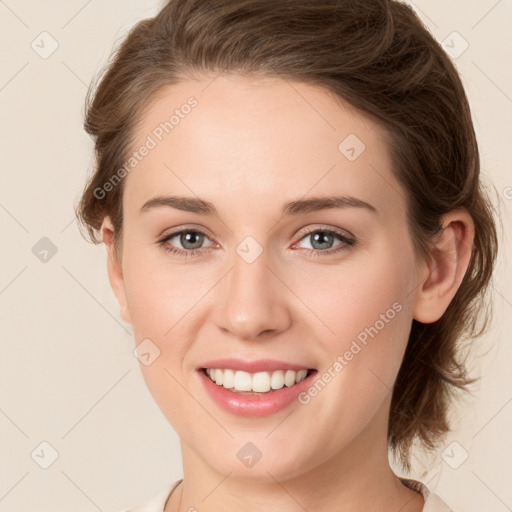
{"x": 443, "y": 273}
{"x": 114, "y": 269}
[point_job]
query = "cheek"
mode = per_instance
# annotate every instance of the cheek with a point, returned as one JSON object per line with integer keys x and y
{"x": 351, "y": 301}
{"x": 373, "y": 327}
{"x": 368, "y": 309}
{"x": 161, "y": 302}
{"x": 158, "y": 295}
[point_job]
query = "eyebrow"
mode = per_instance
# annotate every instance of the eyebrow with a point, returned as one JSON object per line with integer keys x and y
{"x": 297, "y": 207}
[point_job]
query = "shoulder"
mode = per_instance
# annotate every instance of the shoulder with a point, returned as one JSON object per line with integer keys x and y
{"x": 433, "y": 503}
{"x": 156, "y": 503}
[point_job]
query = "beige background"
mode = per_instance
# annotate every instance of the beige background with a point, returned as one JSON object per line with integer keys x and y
{"x": 67, "y": 373}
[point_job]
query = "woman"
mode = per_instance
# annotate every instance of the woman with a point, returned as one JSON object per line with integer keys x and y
{"x": 289, "y": 196}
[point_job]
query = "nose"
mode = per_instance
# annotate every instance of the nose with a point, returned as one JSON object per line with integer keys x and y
{"x": 252, "y": 300}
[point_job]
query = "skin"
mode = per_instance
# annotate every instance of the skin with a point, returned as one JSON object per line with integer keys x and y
{"x": 250, "y": 146}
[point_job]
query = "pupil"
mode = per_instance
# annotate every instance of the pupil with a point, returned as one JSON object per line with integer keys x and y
{"x": 323, "y": 238}
{"x": 186, "y": 239}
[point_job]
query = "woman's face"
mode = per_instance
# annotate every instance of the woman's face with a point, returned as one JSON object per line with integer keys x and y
{"x": 315, "y": 285}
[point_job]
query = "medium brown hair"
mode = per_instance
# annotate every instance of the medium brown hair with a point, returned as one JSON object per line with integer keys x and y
{"x": 378, "y": 56}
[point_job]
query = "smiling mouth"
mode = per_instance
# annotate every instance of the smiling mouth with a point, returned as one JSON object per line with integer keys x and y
{"x": 258, "y": 383}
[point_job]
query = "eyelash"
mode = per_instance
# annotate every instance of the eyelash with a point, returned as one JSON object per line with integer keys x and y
{"x": 346, "y": 243}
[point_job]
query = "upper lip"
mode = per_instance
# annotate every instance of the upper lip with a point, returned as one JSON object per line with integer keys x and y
{"x": 259, "y": 365}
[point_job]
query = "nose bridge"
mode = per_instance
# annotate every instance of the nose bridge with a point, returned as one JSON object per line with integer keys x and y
{"x": 252, "y": 299}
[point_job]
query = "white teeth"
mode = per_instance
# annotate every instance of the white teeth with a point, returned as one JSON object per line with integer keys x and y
{"x": 228, "y": 379}
{"x": 242, "y": 381}
{"x": 289, "y": 378}
{"x": 261, "y": 382}
{"x": 277, "y": 379}
{"x": 302, "y": 374}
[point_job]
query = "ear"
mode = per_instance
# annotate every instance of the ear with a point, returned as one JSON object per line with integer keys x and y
{"x": 441, "y": 276}
{"x": 115, "y": 273}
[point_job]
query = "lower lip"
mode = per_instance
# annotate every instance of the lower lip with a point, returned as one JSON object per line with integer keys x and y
{"x": 254, "y": 406}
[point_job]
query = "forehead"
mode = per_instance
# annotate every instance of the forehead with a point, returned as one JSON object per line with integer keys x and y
{"x": 258, "y": 141}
